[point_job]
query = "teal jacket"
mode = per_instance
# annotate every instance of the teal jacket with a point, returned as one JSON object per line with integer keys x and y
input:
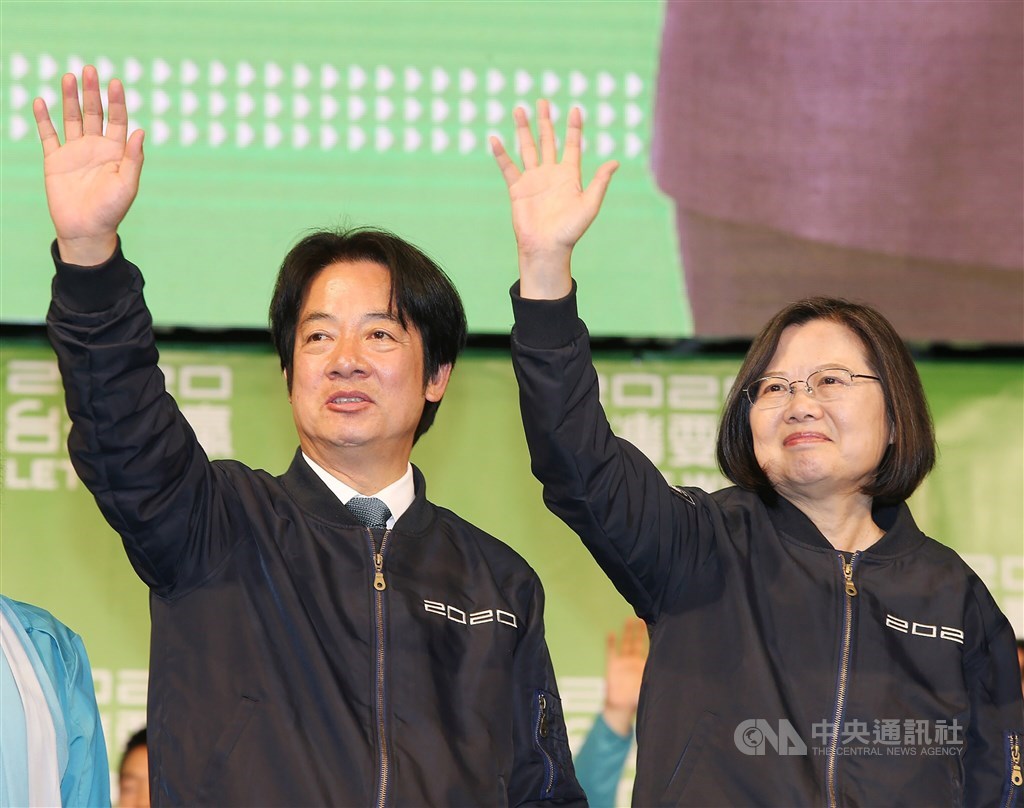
{"x": 60, "y": 663}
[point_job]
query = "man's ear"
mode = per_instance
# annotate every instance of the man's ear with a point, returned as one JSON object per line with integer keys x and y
{"x": 438, "y": 383}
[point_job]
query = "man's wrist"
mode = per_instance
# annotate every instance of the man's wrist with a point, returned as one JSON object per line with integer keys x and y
{"x": 91, "y": 251}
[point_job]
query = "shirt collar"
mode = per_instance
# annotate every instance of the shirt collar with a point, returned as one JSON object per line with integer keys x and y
{"x": 398, "y": 496}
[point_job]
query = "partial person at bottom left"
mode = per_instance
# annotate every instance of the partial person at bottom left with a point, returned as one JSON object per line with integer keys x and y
{"x": 52, "y": 750}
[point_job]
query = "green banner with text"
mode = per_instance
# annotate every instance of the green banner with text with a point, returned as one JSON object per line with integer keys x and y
{"x": 58, "y": 552}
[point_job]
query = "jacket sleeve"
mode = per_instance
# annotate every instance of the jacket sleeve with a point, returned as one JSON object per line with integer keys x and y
{"x": 600, "y": 761}
{"x": 129, "y": 443}
{"x": 993, "y": 679}
{"x": 85, "y": 778}
{"x": 87, "y": 750}
{"x": 644, "y": 533}
{"x": 542, "y": 770}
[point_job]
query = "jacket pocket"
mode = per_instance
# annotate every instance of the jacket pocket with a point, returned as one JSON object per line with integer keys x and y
{"x": 213, "y": 772}
{"x": 550, "y": 741}
{"x": 1014, "y": 773}
{"x": 688, "y": 759}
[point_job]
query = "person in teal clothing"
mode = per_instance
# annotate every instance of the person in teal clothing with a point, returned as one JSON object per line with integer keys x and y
{"x": 602, "y": 758}
{"x": 52, "y": 750}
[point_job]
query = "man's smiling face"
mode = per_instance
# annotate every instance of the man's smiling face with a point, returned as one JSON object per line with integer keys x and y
{"x": 357, "y": 390}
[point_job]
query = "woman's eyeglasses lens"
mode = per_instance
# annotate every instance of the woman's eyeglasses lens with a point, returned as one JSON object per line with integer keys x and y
{"x": 775, "y": 391}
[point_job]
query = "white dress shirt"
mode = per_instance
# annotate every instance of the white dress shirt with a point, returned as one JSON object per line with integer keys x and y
{"x": 398, "y": 496}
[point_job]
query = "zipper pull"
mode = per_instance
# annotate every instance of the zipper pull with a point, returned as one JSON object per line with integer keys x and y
{"x": 1016, "y": 777}
{"x": 378, "y": 574}
{"x": 851, "y": 588}
{"x": 542, "y": 725}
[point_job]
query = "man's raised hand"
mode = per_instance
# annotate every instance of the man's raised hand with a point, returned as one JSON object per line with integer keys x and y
{"x": 92, "y": 179}
{"x": 550, "y": 208}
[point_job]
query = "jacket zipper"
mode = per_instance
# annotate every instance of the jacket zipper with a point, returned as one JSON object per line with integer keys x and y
{"x": 542, "y": 732}
{"x": 850, "y": 592}
{"x": 379, "y": 585}
{"x": 1016, "y": 775}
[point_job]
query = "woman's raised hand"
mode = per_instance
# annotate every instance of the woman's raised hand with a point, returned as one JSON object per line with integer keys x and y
{"x": 550, "y": 208}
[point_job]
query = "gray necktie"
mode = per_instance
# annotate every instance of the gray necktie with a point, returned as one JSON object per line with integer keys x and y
{"x": 371, "y": 511}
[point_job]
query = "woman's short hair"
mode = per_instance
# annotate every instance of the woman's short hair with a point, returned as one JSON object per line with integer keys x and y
{"x": 906, "y": 461}
{"x": 421, "y": 294}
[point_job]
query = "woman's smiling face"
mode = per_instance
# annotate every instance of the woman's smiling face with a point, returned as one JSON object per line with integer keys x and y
{"x": 810, "y": 448}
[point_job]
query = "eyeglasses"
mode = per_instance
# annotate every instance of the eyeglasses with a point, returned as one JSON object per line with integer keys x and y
{"x": 828, "y": 384}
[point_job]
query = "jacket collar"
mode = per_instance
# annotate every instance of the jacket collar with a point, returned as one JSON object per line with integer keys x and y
{"x": 901, "y": 532}
{"x": 314, "y": 497}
